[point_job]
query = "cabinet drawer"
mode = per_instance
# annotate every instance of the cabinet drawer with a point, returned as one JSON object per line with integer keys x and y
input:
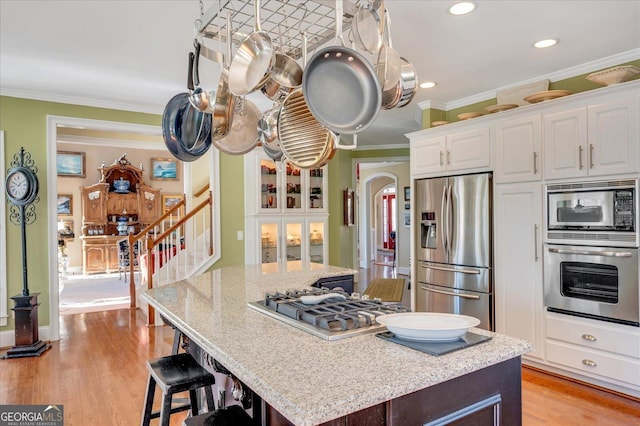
{"x": 595, "y": 362}
{"x": 619, "y": 339}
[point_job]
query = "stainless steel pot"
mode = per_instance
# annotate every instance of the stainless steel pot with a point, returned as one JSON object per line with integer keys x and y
{"x": 408, "y": 82}
{"x": 243, "y": 135}
{"x": 253, "y": 61}
{"x": 341, "y": 86}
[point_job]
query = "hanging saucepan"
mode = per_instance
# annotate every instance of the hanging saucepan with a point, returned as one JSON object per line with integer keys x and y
{"x": 185, "y": 130}
{"x": 225, "y": 101}
{"x": 388, "y": 65}
{"x": 274, "y": 153}
{"x": 365, "y": 27}
{"x": 253, "y": 61}
{"x": 408, "y": 82}
{"x": 243, "y": 135}
{"x": 285, "y": 76}
{"x": 268, "y": 132}
{"x": 341, "y": 86}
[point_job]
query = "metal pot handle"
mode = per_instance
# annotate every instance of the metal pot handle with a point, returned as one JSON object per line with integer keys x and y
{"x": 354, "y": 145}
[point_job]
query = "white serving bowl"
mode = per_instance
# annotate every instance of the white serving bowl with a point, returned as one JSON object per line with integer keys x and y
{"x": 428, "y": 326}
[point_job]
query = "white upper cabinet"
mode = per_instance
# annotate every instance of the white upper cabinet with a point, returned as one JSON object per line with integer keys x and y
{"x": 463, "y": 150}
{"x": 519, "y": 149}
{"x": 613, "y": 137}
{"x": 565, "y": 137}
{"x": 598, "y": 140}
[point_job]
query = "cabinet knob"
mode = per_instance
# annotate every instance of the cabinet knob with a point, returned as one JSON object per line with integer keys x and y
{"x": 589, "y": 363}
{"x": 589, "y": 337}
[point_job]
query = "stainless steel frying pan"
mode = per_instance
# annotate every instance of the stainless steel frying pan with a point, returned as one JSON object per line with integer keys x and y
{"x": 341, "y": 86}
{"x": 253, "y": 61}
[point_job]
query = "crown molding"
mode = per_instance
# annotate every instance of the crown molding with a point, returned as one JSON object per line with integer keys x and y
{"x": 585, "y": 68}
{"x": 77, "y": 100}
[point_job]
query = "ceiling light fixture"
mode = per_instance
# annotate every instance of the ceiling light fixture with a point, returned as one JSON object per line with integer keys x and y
{"x": 545, "y": 43}
{"x": 428, "y": 84}
{"x": 462, "y": 8}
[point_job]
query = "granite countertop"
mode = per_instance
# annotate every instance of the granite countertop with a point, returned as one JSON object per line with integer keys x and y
{"x": 307, "y": 379}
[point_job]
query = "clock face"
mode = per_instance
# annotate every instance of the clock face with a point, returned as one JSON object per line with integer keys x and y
{"x": 21, "y": 186}
{"x": 17, "y": 185}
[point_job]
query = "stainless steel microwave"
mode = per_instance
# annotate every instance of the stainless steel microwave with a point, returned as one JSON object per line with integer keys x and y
{"x": 593, "y": 213}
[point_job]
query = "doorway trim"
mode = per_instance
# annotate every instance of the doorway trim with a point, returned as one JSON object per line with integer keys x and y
{"x": 53, "y": 123}
{"x": 359, "y": 205}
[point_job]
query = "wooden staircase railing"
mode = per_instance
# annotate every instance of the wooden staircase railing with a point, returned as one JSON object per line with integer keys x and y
{"x": 165, "y": 239}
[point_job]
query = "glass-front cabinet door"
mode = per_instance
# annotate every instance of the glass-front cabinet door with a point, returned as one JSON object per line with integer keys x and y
{"x": 294, "y": 241}
{"x": 268, "y": 184}
{"x": 316, "y": 189}
{"x": 293, "y": 188}
{"x": 317, "y": 248}
{"x": 269, "y": 232}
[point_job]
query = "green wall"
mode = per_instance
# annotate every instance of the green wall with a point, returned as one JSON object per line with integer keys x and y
{"x": 25, "y": 124}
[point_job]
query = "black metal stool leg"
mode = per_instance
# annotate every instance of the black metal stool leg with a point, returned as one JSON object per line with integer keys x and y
{"x": 193, "y": 397}
{"x": 165, "y": 411}
{"x": 209, "y": 396}
{"x": 148, "y": 403}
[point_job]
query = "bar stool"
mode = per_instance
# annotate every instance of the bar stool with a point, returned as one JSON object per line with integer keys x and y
{"x": 174, "y": 374}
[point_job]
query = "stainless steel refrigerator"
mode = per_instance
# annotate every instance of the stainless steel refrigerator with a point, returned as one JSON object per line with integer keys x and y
{"x": 453, "y": 246}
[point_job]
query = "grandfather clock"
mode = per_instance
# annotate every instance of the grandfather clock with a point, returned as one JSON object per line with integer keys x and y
{"x": 21, "y": 186}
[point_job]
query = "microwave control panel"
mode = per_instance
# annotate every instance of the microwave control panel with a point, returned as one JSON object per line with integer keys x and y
{"x": 624, "y": 214}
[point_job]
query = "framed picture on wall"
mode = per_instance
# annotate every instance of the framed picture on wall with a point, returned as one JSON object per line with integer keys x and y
{"x": 407, "y": 219}
{"x": 170, "y": 200}
{"x": 70, "y": 164}
{"x": 164, "y": 169}
{"x": 407, "y": 193}
{"x": 65, "y": 204}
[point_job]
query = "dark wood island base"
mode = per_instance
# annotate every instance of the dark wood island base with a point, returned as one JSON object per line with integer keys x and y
{"x": 491, "y": 396}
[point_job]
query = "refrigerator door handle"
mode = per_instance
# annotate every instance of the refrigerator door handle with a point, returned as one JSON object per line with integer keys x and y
{"x": 443, "y": 216}
{"x": 444, "y": 268}
{"x": 448, "y": 293}
{"x": 449, "y": 220}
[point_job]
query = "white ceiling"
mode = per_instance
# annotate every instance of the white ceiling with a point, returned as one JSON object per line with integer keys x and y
{"x": 131, "y": 54}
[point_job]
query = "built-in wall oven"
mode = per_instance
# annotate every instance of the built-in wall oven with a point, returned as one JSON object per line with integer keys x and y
{"x": 594, "y": 282}
{"x": 591, "y": 250}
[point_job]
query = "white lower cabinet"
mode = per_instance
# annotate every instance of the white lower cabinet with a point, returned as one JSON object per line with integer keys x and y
{"x": 518, "y": 264}
{"x": 597, "y": 349}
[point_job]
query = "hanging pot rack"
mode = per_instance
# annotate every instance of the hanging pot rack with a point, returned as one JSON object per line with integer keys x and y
{"x": 315, "y": 17}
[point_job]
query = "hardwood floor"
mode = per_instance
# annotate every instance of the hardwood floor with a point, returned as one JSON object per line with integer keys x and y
{"x": 97, "y": 371}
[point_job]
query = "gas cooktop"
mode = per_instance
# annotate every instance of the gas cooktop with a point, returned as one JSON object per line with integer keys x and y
{"x": 334, "y": 318}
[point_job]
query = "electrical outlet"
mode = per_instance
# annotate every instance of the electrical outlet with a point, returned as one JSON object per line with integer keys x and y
{"x": 240, "y": 235}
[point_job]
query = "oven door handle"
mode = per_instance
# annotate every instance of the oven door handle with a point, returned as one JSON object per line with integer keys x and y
{"x": 591, "y": 253}
{"x": 449, "y": 293}
{"x": 444, "y": 268}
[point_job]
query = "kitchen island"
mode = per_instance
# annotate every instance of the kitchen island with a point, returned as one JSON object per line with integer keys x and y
{"x": 307, "y": 380}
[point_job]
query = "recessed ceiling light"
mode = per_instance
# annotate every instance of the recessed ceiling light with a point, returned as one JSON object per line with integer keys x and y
{"x": 428, "y": 84}
{"x": 545, "y": 43}
{"x": 462, "y": 8}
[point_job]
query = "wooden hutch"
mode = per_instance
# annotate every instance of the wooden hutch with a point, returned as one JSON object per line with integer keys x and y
{"x": 106, "y": 206}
